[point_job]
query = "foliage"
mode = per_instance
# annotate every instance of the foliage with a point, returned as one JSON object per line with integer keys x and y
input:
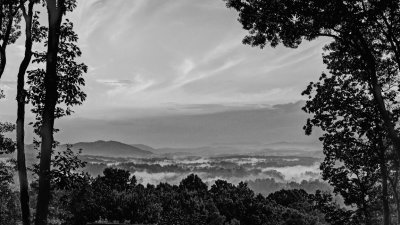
{"x": 69, "y": 74}
{"x": 116, "y": 197}
{"x": 353, "y": 139}
{"x": 7, "y": 145}
{"x": 9, "y": 209}
{"x": 356, "y": 105}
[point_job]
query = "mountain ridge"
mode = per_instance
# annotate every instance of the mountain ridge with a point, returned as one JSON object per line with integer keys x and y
{"x": 110, "y": 149}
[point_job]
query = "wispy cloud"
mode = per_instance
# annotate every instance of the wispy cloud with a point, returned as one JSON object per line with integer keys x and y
{"x": 121, "y": 86}
{"x": 148, "y": 53}
{"x": 8, "y": 82}
{"x": 186, "y": 66}
{"x": 223, "y": 48}
{"x": 191, "y": 77}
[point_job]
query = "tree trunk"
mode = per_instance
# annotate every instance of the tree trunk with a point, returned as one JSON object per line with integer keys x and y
{"x": 393, "y": 183}
{"x": 385, "y": 198}
{"x": 2, "y": 60}
{"x": 21, "y": 162}
{"x": 370, "y": 65}
{"x": 390, "y": 127}
{"x": 6, "y": 38}
{"x": 55, "y": 11}
{"x": 396, "y": 198}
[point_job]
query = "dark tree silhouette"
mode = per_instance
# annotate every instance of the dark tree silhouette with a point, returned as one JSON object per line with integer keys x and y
{"x": 366, "y": 30}
{"x": 55, "y": 10}
{"x": 9, "y": 213}
{"x": 59, "y": 83}
{"x": 9, "y": 28}
{"x": 7, "y": 145}
{"x": 8, "y": 210}
{"x": 333, "y": 213}
{"x": 356, "y": 156}
{"x": 31, "y": 22}
{"x": 365, "y": 46}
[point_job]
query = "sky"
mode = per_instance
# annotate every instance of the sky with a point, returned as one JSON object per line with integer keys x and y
{"x": 175, "y": 73}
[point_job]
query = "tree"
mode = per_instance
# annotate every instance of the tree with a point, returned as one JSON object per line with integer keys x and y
{"x": 9, "y": 213}
{"x": 72, "y": 196}
{"x": 115, "y": 179}
{"x": 55, "y": 10}
{"x": 59, "y": 83}
{"x": 193, "y": 183}
{"x": 365, "y": 30}
{"x": 356, "y": 156}
{"x": 364, "y": 47}
{"x": 334, "y": 214}
{"x": 7, "y": 145}
{"x": 8, "y": 208}
{"x": 31, "y": 27}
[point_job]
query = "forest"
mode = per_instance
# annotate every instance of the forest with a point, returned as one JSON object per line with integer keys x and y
{"x": 115, "y": 196}
{"x": 354, "y": 107}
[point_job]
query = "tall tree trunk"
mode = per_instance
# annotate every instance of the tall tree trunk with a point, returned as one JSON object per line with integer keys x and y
{"x": 390, "y": 127}
{"x": 393, "y": 182}
{"x": 55, "y": 11}
{"x": 21, "y": 162}
{"x": 6, "y": 38}
{"x": 3, "y": 60}
{"x": 396, "y": 198}
{"x": 367, "y": 219}
{"x": 385, "y": 196}
{"x": 362, "y": 46}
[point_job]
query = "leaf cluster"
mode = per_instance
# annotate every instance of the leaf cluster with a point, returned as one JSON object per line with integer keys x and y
{"x": 69, "y": 75}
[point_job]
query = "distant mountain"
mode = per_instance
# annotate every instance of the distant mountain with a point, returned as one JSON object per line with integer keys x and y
{"x": 276, "y": 148}
{"x": 118, "y": 149}
{"x": 284, "y": 145}
{"x": 110, "y": 149}
{"x": 203, "y": 151}
{"x": 143, "y": 147}
{"x": 293, "y": 148}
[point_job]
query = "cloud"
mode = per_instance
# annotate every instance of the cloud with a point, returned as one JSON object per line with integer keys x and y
{"x": 298, "y": 173}
{"x": 213, "y": 108}
{"x": 112, "y": 82}
{"x": 186, "y": 66}
{"x": 222, "y": 49}
{"x": 122, "y": 86}
{"x": 8, "y": 82}
{"x": 151, "y": 58}
{"x": 201, "y": 60}
{"x": 191, "y": 77}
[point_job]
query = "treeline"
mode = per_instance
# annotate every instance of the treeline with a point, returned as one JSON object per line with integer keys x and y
{"x": 116, "y": 196}
{"x": 269, "y": 185}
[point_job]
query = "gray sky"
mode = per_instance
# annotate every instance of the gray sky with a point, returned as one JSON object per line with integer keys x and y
{"x": 174, "y": 72}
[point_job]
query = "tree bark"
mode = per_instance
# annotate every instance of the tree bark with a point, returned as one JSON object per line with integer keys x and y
{"x": 390, "y": 127}
{"x": 6, "y": 38}
{"x": 21, "y": 162}
{"x": 3, "y": 60}
{"x": 385, "y": 195}
{"x": 393, "y": 183}
{"x": 370, "y": 61}
{"x": 55, "y": 11}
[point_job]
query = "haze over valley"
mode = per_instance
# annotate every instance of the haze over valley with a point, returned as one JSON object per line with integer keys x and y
{"x": 265, "y": 167}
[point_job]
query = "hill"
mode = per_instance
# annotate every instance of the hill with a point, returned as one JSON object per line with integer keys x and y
{"x": 143, "y": 147}
{"x": 110, "y": 149}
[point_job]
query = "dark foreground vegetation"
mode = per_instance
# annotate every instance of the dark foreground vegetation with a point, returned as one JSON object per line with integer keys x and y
{"x": 117, "y": 197}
